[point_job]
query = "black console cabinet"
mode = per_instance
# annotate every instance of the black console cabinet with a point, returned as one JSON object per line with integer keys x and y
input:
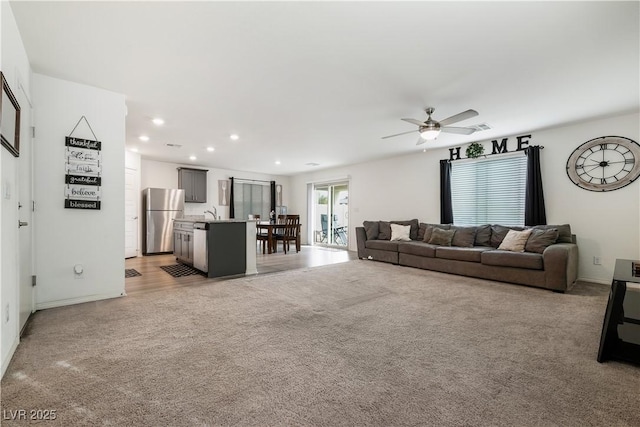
{"x": 620, "y": 339}
{"x": 194, "y": 184}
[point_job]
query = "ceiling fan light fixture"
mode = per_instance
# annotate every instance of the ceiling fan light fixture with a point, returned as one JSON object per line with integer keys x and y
{"x": 429, "y": 132}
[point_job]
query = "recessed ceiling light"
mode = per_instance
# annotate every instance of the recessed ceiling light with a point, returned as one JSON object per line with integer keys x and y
{"x": 211, "y": 149}
{"x": 234, "y": 137}
{"x": 193, "y": 158}
{"x": 144, "y": 138}
{"x": 277, "y": 162}
{"x": 133, "y": 149}
{"x": 158, "y": 121}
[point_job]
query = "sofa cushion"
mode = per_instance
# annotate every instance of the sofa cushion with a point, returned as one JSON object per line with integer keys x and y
{"x": 372, "y": 229}
{"x": 500, "y": 258}
{"x": 417, "y": 248}
{"x": 499, "y": 232}
{"x": 483, "y": 235}
{"x": 441, "y": 237}
{"x": 400, "y": 232}
{"x": 564, "y": 232}
{"x": 462, "y": 254}
{"x": 464, "y": 236}
{"x": 384, "y": 245}
{"x": 540, "y": 239}
{"x": 515, "y": 241}
{"x": 385, "y": 229}
{"x": 427, "y": 229}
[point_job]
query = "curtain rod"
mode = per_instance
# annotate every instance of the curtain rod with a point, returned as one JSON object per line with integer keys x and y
{"x": 253, "y": 180}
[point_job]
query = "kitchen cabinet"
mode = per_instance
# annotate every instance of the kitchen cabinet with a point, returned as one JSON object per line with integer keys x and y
{"x": 183, "y": 241}
{"x": 194, "y": 184}
{"x": 216, "y": 247}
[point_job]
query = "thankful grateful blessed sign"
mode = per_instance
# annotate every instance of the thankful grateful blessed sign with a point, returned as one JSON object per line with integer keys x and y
{"x": 83, "y": 168}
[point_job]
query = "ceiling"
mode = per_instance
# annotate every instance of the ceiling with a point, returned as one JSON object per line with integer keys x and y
{"x": 316, "y": 82}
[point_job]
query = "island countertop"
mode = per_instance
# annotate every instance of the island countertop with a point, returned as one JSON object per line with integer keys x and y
{"x": 211, "y": 221}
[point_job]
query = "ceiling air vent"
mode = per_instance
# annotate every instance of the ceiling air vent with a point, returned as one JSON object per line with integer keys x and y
{"x": 312, "y": 164}
{"x": 481, "y": 126}
{"x": 174, "y": 145}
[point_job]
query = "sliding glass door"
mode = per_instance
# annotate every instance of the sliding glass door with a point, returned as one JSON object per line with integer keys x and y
{"x": 331, "y": 214}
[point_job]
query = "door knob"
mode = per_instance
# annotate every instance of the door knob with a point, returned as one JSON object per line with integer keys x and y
{"x": 22, "y": 223}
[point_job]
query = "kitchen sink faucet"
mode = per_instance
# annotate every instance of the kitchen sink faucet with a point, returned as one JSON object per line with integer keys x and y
{"x": 214, "y": 213}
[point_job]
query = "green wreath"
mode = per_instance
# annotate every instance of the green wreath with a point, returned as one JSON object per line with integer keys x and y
{"x": 474, "y": 150}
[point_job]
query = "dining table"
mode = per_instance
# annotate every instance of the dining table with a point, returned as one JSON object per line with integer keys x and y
{"x": 270, "y": 229}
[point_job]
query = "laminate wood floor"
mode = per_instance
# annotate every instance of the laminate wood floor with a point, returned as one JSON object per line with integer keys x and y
{"x": 153, "y": 278}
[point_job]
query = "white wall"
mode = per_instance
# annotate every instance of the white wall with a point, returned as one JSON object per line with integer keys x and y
{"x": 134, "y": 161}
{"x": 606, "y": 224}
{"x": 165, "y": 175}
{"x": 14, "y": 64}
{"x": 66, "y": 237}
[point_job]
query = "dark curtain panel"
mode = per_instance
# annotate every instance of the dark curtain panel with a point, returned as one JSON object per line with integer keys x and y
{"x": 231, "y": 201}
{"x": 534, "y": 211}
{"x": 273, "y": 196}
{"x": 446, "y": 208}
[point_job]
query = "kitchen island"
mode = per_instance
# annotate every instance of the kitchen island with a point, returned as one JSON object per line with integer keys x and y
{"x": 216, "y": 247}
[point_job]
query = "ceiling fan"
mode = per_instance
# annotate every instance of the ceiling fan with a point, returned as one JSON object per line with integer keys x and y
{"x": 430, "y": 129}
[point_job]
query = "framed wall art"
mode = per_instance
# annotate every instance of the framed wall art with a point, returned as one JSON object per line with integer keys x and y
{"x": 9, "y": 119}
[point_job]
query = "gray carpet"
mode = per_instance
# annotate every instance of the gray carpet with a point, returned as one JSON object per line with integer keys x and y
{"x": 359, "y": 343}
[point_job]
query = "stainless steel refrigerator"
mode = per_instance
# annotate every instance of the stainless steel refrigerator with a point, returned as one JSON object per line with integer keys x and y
{"x": 161, "y": 206}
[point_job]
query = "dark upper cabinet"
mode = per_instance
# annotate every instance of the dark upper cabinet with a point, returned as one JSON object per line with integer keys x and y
{"x": 194, "y": 184}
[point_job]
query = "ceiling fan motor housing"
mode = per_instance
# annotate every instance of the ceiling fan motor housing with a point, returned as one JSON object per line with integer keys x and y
{"x": 429, "y": 125}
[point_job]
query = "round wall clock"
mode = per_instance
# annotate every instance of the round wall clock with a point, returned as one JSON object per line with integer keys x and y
{"x": 604, "y": 164}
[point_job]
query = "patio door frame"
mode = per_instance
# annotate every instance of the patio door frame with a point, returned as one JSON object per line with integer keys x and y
{"x": 314, "y": 214}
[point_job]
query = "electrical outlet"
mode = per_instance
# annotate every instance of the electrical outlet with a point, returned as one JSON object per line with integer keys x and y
{"x": 597, "y": 260}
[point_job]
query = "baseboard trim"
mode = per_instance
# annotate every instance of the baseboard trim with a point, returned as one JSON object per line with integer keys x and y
{"x": 79, "y": 300}
{"x": 7, "y": 361}
{"x": 599, "y": 281}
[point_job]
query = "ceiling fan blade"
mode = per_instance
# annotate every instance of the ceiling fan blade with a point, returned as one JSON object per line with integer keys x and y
{"x": 461, "y": 131}
{"x": 458, "y": 117}
{"x": 421, "y": 141}
{"x": 414, "y": 121}
{"x": 398, "y": 134}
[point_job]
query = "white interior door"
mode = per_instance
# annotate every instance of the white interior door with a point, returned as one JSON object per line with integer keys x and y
{"x": 131, "y": 213}
{"x": 25, "y": 218}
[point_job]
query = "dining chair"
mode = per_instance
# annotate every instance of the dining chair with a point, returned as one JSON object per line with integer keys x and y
{"x": 289, "y": 232}
{"x": 262, "y": 235}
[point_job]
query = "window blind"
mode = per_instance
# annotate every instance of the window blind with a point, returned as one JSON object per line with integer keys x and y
{"x": 251, "y": 199}
{"x": 489, "y": 191}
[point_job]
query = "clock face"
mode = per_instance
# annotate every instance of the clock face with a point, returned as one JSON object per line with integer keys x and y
{"x": 605, "y": 164}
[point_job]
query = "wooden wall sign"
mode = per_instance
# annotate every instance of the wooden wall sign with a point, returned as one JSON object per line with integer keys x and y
{"x": 522, "y": 143}
{"x": 83, "y": 168}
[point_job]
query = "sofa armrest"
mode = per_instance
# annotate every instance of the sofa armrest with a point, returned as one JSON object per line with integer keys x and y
{"x": 561, "y": 266}
{"x": 361, "y": 237}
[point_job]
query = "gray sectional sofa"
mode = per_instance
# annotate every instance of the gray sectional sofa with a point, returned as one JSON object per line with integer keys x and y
{"x": 550, "y": 259}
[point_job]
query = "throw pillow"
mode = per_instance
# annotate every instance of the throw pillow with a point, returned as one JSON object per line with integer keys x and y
{"x": 515, "y": 241}
{"x": 540, "y": 239}
{"x": 441, "y": 237}
{"x": 428, "y": 229}
{"x": 564, "y": 232}
{"x": 483, "y": 235}
{"x": 385, "y": 230}
{"x": 498, "y": 233}
{"x": 464, "y": 236}
{"x": 400, "y": 232}
{"x": 372, "y": 229}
